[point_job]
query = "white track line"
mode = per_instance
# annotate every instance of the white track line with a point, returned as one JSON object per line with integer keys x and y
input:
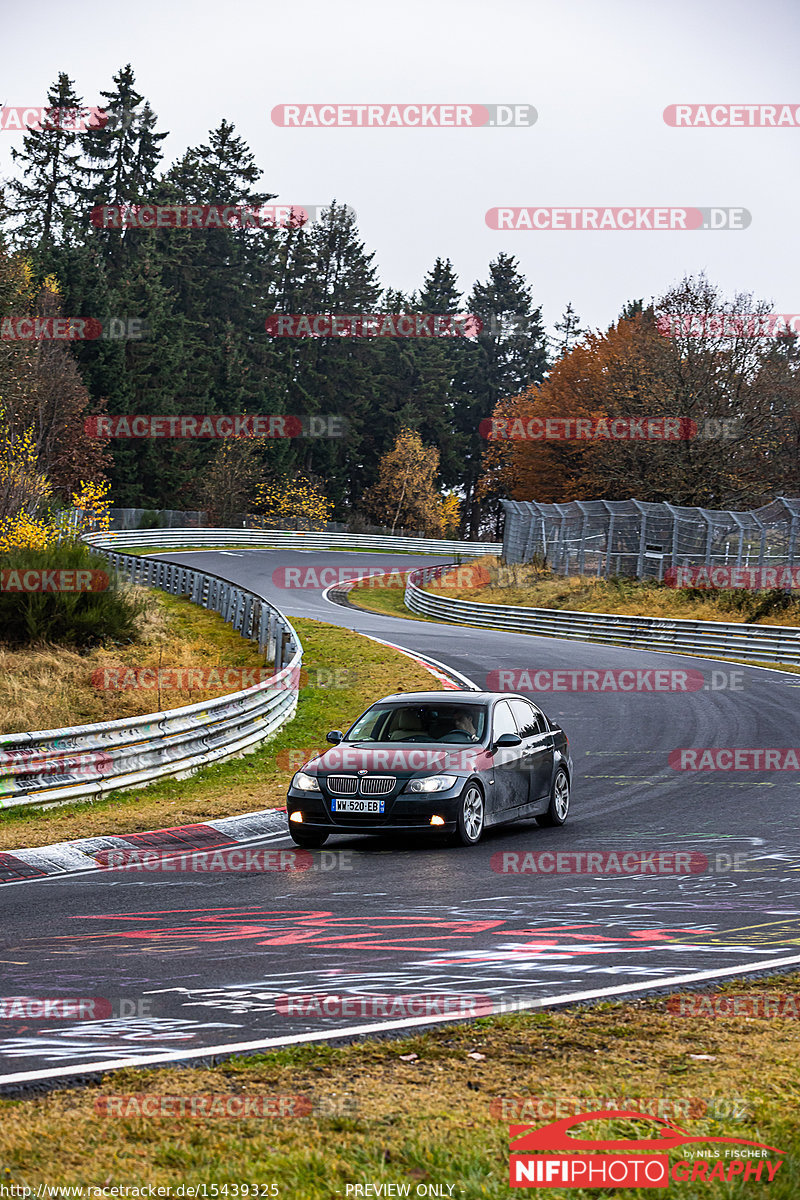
{"x": 97, "y": 871}
{"x": 426, "y": 658}
{"x": 469, "y": 684}
{"x": 381, "y": 1027}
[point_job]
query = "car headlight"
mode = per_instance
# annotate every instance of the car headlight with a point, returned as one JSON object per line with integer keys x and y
{"x": 433, "y": 783}
{"x": 305, "y": 783}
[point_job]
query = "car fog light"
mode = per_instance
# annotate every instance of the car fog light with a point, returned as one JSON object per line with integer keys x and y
{"x": 437, "y": 820}
{"x": 297, "y": 817}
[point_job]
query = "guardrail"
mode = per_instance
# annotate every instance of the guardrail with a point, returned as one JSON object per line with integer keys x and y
{"x": 752, "y": 643}
{"x": 209, "y": 538}
{"x": 58, "y": 765}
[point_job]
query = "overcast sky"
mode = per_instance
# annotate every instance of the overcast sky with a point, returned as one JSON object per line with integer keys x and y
{"x": 598, "y": 72}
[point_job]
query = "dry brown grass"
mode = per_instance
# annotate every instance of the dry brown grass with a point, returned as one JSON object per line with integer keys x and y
{"x": 50, "y": 687}
{"x": 532, "y": 586}
{"x": 256, "y": 781}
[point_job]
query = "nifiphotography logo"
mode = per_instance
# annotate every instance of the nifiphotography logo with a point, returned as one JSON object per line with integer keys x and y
{"x": 632, "y": 1162}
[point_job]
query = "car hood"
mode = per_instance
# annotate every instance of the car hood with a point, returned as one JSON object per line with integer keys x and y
{"x": 414, "y": 758}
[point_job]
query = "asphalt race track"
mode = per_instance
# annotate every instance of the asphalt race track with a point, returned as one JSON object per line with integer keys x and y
{"x": 198, "y": 963}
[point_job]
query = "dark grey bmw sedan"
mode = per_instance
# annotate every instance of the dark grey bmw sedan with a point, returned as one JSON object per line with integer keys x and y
{"x": 448, "y": 763}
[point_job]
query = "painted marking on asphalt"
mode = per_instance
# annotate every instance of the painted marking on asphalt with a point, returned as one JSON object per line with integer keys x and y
{"x": 620, "y": 990}
{"x": 122, "y": 874}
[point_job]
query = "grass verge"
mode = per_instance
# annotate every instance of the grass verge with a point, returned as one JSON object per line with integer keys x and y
{"x": 532, "y": 586}
{"x": 369, "y": 595}
{"x": 51, "y": 687}
{"x": 362, "y": 671}
{"x": 426, "y": 1109}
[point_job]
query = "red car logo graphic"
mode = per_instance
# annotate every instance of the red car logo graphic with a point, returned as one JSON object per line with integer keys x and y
{"x": 527, "y": 1138}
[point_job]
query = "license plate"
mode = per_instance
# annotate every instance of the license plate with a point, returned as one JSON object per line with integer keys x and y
{"x": 357, "y": 806}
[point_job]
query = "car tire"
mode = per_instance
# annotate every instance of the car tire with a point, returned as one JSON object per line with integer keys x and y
{"x": 471, "y": 817}
{"x": 558, "y": 809}
{"x": 309, "y": 839}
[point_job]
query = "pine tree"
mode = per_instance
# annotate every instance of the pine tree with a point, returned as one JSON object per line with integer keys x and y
{"x": 510, "y": 356}
{"x": 433, "y": 397}
{"x": 569, "y": 329}
{"x": 338, "y": 374}
{"x": 43, "y": 199}
{"x": 124, "y": 152}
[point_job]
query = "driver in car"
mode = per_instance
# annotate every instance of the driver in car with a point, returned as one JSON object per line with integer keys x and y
{"x": 464, "y": 721}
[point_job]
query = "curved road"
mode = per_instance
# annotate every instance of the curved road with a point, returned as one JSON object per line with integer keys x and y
{"x": 194, "y": 964}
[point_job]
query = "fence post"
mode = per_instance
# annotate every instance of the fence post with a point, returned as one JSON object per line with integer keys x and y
{"x": 262, "y": 628}
{"x": 582, "y": 550}
{"x": 642, "y": 541}
{"x": 609, "y": 543}
{"x": 285, "y": 652}
{"x": 792, "y": 541}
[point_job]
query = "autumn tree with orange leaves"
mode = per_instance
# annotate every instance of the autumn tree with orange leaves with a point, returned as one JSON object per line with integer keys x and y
{"x": 636, "y": 371}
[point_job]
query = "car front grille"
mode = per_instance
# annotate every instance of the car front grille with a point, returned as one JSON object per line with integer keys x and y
{"x": 377, "y": 785}
{"x": 342, "y": 785}
{"x": 371, "y": 785}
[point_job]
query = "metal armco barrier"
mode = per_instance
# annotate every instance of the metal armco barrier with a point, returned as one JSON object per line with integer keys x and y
{"x": 752, "y": 643}
{"x": 209, "y": 538}
{"x": 58, "y": 765}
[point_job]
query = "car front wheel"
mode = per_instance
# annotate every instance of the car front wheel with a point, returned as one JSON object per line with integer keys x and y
{"x": 559, "y": 801}
{"x": 470, "y": 816}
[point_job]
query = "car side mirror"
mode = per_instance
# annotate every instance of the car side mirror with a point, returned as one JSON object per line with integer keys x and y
{"x": 508, "y": 739}
{"x": 335, "y": 736}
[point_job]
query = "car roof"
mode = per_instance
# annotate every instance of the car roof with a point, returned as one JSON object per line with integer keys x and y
{"x": 454, "y": 697}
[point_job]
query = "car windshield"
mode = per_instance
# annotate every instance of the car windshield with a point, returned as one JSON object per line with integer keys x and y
{"x": 464, "y": 723}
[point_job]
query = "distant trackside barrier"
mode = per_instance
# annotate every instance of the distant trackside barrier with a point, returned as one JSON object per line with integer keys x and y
{"x": 751, "y": 643}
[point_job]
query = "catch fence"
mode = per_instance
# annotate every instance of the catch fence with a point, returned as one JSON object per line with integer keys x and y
{"x": 642, "y": 539}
